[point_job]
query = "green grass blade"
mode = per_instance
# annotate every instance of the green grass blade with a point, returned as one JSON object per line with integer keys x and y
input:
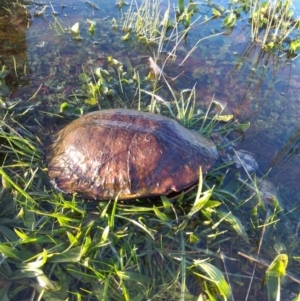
{"x": 235, "y": 223}
{"x": 162, "y": 216}
{"x": 215, "y": 275}
{"x": 16, "y": 187}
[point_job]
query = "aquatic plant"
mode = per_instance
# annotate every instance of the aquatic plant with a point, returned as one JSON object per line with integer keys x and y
{"x": 273, "y": 24}
{"x": 161, "y": 30}
{"x": 185, "y": 13}
{"x": 56, "y": 246}
{"x": 144, "y": 21}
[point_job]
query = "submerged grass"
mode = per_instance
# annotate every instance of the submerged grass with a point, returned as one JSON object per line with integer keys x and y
{"x": 56, "y": 247}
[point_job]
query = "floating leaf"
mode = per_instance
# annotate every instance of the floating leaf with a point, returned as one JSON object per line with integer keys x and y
{"x": 216, "y": 13}
{"x": 295, "y": 45}
{"x": 126, "y": 37}
{"x": 92, "y": 28}
{"x": 114, "y": 62}
{"x": 230, "y": 20}
{"x": 75, "y": 28}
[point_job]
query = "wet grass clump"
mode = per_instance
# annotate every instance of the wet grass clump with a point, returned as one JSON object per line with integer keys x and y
{"x": 55, "y": 246}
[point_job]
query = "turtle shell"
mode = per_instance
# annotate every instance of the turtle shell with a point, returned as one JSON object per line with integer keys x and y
{"x": 127, "y": 153}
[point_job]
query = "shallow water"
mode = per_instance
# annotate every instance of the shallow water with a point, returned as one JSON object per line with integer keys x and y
{"x": 43, "y": 57}
{"x": 256, "y": 87}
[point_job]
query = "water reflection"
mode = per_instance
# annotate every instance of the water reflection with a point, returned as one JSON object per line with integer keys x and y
{"x": 14, "y": 24}
{"x": 257, "y": 86}
{"x": 269, "y": 101}
{"x": 290, "y": 150}
{"x": 260, "y": 69}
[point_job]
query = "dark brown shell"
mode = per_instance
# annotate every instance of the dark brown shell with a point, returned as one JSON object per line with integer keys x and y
{"x": 127, "y": 153}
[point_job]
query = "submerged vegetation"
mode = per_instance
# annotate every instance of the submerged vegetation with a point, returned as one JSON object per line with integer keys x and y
{"x": 273, "y": 24}
{"x": 59, "y": 247}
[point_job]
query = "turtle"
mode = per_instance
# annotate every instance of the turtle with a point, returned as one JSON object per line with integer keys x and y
{"x": 128, "y": 154}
